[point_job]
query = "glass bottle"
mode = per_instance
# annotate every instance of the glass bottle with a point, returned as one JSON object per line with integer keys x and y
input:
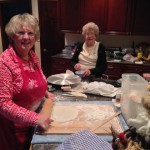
{"x": 140, "y": 53}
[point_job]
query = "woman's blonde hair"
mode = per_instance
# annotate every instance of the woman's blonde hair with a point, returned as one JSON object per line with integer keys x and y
{"x": 90, "y": 25}
{"x": 17, "y": 22}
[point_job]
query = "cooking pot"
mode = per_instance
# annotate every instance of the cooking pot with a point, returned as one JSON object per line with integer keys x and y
{"x": 63, "y": 79}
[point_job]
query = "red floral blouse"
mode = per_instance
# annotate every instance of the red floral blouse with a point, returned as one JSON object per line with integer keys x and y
{"x": 18, "y": 101}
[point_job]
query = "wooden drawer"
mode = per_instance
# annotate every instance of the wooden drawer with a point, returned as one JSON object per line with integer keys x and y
{"x": 114, "y": 71}
{"x": 59, "y": 65}
{"x": 140, "y": 69}
{"x": 60, "y": 62}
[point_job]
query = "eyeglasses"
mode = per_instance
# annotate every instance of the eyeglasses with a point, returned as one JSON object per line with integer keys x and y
{"x": 89, "y": 34}
{"x": 21, "y": 34}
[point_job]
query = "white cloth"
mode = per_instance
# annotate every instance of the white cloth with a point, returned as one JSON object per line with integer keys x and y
{"x": 88, "y": 56}
{"x": 69, "y": 72}
{"x": 99, "y": 88}
{"x": 142, "y": 124}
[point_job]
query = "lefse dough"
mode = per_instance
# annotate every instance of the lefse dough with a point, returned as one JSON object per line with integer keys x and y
{"x": 64, "y": 113}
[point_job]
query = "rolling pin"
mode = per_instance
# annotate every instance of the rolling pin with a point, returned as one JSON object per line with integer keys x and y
{"x": 105, "y": 121}
{"x": 46, "y": 111}
{"x": 47, "y": 107}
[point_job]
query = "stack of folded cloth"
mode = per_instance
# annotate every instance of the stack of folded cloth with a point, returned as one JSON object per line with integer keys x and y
{"x": 99, "y": 88}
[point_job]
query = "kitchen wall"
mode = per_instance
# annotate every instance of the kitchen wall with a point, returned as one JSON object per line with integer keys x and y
{"x": 109, "y": 40}
{"x": 35, "y": 13}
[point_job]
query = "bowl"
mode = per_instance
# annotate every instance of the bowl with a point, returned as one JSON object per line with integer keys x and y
{"x": 79, "y": 73}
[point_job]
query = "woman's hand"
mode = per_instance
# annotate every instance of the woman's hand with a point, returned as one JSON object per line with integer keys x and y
{"x": 44, "y": 119}
{"x": 49, "y": 95}
{"x": 87, "y": 72}
{"x": 77, "y": 66}
{"x": 44, "y": 122}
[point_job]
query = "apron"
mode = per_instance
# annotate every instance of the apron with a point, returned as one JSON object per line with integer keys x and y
{"x": 13, "y": 136}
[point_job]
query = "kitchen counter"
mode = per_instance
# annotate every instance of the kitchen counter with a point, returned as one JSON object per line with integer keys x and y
{"x": 126, "y": 62}
{"x": 69, "y": 56}
{"x": 61, "y": 62}
{"x": 50, "y": 142}
{"x": 60, "y": 97}
{"x": 63, "y": 55}
{"x": 46, "y": 142}
{"x": 59, "y": 94}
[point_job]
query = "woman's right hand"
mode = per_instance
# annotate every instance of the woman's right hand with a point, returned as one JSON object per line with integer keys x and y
{"x": 44, "y": 119}
{"x": 77, "y": 66}
{"x": 44, "y": 122}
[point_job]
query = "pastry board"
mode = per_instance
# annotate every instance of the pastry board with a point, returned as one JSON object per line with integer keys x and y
{"x": 89, "y": 117}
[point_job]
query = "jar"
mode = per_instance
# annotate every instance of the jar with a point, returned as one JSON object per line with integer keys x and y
{"x": 140, "y": 53}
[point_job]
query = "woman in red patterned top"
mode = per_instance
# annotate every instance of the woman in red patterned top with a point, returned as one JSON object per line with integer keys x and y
{"x": 22, "y": 84}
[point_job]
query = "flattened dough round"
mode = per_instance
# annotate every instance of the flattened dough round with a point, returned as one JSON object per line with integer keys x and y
{"x": 64, "y": 113}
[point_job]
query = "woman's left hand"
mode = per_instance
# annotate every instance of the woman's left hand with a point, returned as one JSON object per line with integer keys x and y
{"x": 87, "y": 72}
{"x": 49, "y": 95}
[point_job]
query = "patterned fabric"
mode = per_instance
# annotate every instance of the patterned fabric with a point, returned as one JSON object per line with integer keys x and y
{"x": 84, "y": 140}
{"x": 22, "y": 88}
{"x": 11, "y": 82}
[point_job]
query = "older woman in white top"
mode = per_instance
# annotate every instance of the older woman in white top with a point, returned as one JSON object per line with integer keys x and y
{"x": 90, "y": 56}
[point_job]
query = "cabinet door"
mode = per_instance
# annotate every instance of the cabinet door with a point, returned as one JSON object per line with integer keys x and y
{"x": 139, "y": 69}
{"x": 59, "y": 65}
{"x": 69, "y": 14}
{"x": 132, "y": 69}
{"x": 141, "y": 17}
{"x": 117, "y": 14}
{"x": 114, "y": 71}
{"x": 51, "y": 39}
{"x": 93, "y": 11}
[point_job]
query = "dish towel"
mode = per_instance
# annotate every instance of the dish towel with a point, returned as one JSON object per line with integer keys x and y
{"x": 99, "y": 88}
{"x": 84, "y": 140}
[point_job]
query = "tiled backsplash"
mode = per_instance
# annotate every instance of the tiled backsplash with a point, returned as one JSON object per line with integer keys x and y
{"x": 109, "y": 40}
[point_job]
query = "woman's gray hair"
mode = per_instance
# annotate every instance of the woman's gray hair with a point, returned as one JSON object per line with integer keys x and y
{"x": 90, "y": 25}
{"x": 17, "y": 22}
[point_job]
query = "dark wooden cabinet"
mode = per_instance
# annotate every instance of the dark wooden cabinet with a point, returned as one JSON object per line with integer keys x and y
{"x": 70, "y": 15}
{"x": 140, "y": 69}
{"x": 59, "y": 65}
{"x": 117, "y": 16}
{"x": 75, "y": 14}
{"x": 140, "y": 17}
{"x": 93, "y": 11}
{"x": 115, "y": 70}
{"x": 125, "y": 17}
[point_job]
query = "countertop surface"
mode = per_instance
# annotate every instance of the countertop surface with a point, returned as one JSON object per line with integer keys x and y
{"x": 59, "y": 94}
{"x": 40, "y": 142}
{"x": 57, "y": 139}
{"x": 90, "y": 97}
{"x": 69, "y": 56}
